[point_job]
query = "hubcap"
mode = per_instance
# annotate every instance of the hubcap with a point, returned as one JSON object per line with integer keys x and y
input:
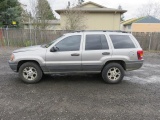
{"x": 114, "y": 74}
{"x": 30, "y": 73}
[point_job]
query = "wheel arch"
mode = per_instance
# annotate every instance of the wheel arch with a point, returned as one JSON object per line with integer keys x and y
{"x": 24, "y": 61}
{"x": 121, "y": 62}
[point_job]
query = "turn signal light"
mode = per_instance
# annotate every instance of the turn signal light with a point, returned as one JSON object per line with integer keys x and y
{"x": 12, "y": 57}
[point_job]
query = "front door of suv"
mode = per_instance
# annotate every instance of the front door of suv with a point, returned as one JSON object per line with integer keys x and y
{"x": 68, "y": 56}
{"x": 95, "y": 52}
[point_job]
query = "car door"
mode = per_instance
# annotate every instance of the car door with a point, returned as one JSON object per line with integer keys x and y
{"x": 68, "y": 56}
{"x": 96, "y": 52}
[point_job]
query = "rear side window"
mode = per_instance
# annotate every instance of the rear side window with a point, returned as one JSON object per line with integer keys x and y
{"x": 96, "y": 42}
{"x": 122, "y": 41}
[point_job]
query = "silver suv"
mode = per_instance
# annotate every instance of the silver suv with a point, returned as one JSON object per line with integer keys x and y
{"x": 106, "y": 53}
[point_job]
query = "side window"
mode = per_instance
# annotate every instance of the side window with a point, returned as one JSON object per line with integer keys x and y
{"x": 122, "y": 41}
{"x": 96, "y": 42}
{"x": 71, "y": 43}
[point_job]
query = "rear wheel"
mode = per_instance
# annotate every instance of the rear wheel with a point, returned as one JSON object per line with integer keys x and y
{"x": 30, "y": 72}
{"x": 113, "y": 73}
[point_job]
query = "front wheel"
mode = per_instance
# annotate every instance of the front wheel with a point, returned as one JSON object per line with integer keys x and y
{"x": 30, "y": 72}
{"x": 113, "y": 73}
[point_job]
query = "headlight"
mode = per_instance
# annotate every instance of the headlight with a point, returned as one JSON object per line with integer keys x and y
{"x": 12, "y": 57}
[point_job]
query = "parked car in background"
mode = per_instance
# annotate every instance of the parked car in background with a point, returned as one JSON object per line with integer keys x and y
{"x": 107, "y": 53}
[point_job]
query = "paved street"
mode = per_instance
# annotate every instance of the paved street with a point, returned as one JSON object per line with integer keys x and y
{"x": 81, "y": 97}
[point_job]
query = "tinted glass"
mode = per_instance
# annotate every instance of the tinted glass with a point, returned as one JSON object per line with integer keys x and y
{"x": 71, "y": 43}
{"x": 104, "y": 42}
{"x": 122, "y": 41}
{"x": 96, "y": 42}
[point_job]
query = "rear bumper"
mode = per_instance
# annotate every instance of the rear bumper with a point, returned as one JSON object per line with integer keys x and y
{"x": 134, "y": 65}
{"x": 13, "y": 66}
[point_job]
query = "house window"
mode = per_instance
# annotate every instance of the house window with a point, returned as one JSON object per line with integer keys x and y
{"x": 129, "y": 26}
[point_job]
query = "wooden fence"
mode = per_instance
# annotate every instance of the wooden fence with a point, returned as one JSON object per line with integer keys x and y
{"x": 23, "y": 37}
{"x": 148, "y": 41}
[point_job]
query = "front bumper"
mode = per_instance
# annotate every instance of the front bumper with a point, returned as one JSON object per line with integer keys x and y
{"x": 13, "y": 66}
{"x": 134, "y": 65}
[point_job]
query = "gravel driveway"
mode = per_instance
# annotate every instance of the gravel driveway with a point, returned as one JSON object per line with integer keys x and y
{"x": 81, "y": 97}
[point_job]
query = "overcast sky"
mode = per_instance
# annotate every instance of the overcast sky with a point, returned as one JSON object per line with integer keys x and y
{"x": 130, "y": 5}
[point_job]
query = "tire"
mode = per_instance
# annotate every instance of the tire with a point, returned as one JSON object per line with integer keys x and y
{"x": 113, "y": 73}
{"x": 30, "y": 72}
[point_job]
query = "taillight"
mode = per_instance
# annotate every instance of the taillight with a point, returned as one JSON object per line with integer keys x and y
{"x": 140, "y": 54}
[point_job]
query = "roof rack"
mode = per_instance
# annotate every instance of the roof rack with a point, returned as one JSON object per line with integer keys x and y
{"x": 101, "y": 31}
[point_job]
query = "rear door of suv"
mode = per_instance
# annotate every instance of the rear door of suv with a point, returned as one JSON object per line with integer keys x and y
{"x": 96, "y": 49}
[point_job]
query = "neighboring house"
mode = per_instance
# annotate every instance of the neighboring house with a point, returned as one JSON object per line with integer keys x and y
{"x": 52, "y": 25}
{"x": 126, "y": 25}
{"x": 98, "y": 17}
{"x": 143, "y": 24}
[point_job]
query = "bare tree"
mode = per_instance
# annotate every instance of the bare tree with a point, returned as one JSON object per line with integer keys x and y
{"x": 33, "y": 7}
{"x": 74, "y": 20}
{"x": 41, "y": 13}
{"x": 25, "y": 15}
{"x": 122, "y": 16}
{"x": 75, "y": 17}
{"x": 80, "y": 2}
{"x": 147, "y": 9}
{"x": 33, "y": 10}
{"x": 156, "y": 12}
{"x": 44, "y": 13}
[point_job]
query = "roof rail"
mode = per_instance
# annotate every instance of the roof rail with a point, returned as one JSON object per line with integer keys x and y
{"x": 101, "y": 31}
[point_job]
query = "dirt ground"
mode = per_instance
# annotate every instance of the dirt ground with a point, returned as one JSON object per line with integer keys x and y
{"x": 81, "y": 97}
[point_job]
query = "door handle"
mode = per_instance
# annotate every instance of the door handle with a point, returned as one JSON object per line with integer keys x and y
{"x": 75, "y": 54}
{"x": 106, "y": 53}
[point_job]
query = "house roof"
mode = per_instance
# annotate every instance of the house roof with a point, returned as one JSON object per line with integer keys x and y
{"x": 97, "y": 8}
{"x": 147, "y": 19}
{"x": 130, "y": 21}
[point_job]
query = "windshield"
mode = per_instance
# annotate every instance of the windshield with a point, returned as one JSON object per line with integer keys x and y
{"x": 49, "y": 44}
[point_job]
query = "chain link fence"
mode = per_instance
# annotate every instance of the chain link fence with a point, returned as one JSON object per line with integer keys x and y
{"x": 26, "y": 37}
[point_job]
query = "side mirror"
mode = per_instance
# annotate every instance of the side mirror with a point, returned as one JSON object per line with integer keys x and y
{"x": 54, "y": 49}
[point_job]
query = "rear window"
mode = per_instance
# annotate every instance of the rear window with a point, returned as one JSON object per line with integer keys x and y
{"x": 96, "y": 42}
{"x": 122, "y": 41}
